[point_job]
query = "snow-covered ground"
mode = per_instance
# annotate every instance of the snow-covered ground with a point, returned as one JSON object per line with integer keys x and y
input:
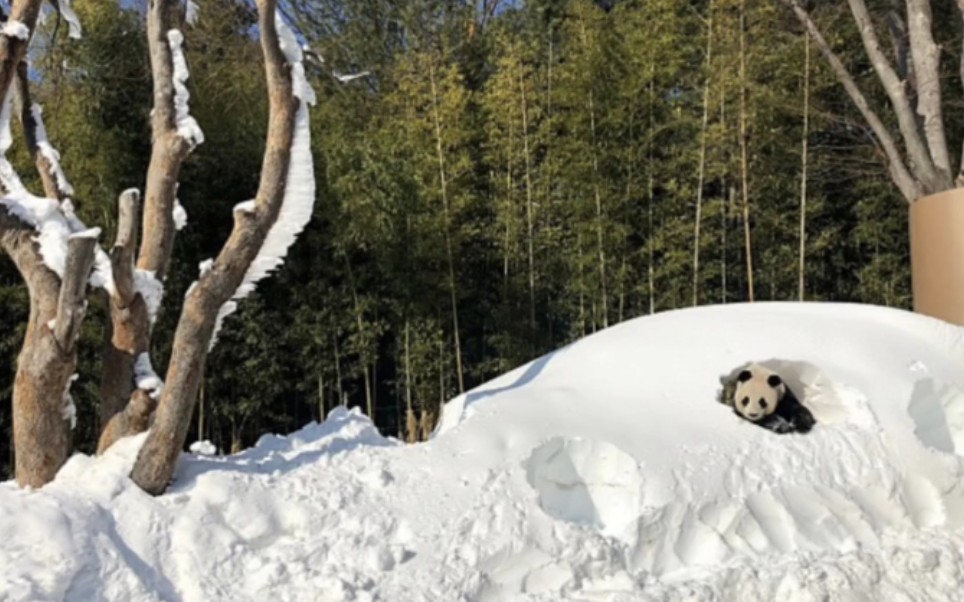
{"x": 604, "y": 471}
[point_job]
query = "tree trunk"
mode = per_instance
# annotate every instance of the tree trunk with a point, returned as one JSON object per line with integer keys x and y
{"x": 600, "y": 248}
{"x": 529, "y": 208}
{"x": 702, "y": 164}
{"x": 744, "y": 160}
{"x": 42, "y": 409}
{"x": 156, "y": 460}
{"x": 443, "y": 182}
{"x": 803, "y": 169}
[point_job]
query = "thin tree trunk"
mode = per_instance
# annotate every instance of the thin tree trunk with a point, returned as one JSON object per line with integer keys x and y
{"x": 369, "y": 407}
{"x": 724, "y": 192}
{"x": 803, "y": 168}
{"x": 600, "y": 248}
{"x": 529, "y": 207}
{"x": 702, "y": 164}
{"x": 338, "y": 379}
{"x": 650, "y": 195}
{"x": 744, "y": 161}
{"x": 448, "y": 234}
{"x": 321, "y": 397}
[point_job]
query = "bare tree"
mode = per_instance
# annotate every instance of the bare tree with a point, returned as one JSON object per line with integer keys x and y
{"x": 917, "y": 153}
{"x": 57, "y": 265}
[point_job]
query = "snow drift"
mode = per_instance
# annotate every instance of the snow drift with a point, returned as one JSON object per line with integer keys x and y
{"x": 604, "y": 471}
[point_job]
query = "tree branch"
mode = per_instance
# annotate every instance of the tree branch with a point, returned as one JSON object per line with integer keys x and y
{"x": 72, "y": 302}
{"x": 130, "y": 324}
{"x": 926, "y": 57}
{"x": 908, "y": 185}
{"x": 30, "y": 127}
{"x": 921, "y": 163}
{"x": 12, "y": 48}
{"x": 122, "y": 255}
{"x": 169, "y": 148}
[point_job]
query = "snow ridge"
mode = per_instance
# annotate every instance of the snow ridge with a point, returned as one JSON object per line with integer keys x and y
{"x": 187, "y": 126}
{"x": 299, "y": 197}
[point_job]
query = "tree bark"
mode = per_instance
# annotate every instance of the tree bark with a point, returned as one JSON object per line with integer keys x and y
{"x": 926, "y": 57}
{"x": 129, "y": 332}
{"x": 156, "y": 461}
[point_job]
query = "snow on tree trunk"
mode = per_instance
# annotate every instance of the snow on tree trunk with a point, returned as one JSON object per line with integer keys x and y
{"x": 263, "y": 231}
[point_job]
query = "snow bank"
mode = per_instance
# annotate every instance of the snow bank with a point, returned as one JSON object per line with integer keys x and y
{"x": 604, "y": 471}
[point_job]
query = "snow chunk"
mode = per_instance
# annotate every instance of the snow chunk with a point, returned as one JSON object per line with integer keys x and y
{"x": 187, "y": 126}
{"x": 71, "y": 17}
{"x": 16, "y": 29}
{"x": 344, "y": 78}
{"x": 88, "y": 233}
{"x": 145, "y": 378}
{"x": 192, "y": 13}
{"x": 204, "y": 448}
{"x": 50, "y": 153}
{"x": 245, "y": 207}
{"x": 151, "y": 289}
{"x": 180, "y": 215}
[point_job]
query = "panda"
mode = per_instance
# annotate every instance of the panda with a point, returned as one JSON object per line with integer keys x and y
{"x": 761, "y": 397}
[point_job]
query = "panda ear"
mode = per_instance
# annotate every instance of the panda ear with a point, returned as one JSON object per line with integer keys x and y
{"x": 774, "y": 381}
{"x": 744, "y": 376}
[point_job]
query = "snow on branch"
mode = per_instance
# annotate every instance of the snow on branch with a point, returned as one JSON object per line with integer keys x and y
{"x": 187, "y": 126}
{"x": 16, "y": 29}
{"x": 299, "y": 196}
{"x": 67, "y": 11}
{"x": 49, "y": 152}
{"x": 191, "y": 14}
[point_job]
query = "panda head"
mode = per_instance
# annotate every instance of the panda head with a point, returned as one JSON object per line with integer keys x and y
{"x": 758, "y": 391}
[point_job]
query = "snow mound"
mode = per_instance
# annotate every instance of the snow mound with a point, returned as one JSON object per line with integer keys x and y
{"x": 606, "y": 470}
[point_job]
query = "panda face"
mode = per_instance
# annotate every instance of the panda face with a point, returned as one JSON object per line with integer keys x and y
{"x": 758, "y": 391}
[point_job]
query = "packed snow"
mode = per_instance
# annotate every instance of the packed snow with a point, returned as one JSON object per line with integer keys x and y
{"x": 607, "y": 470}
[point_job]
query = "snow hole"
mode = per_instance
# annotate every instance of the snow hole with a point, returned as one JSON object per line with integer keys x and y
{"x": 587, "y": 482}
{"x": 937, "y": 409}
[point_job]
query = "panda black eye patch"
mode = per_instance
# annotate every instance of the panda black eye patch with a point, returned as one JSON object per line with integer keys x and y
{"x": 745, "y": 401}
{"x": 763, "y": 403}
